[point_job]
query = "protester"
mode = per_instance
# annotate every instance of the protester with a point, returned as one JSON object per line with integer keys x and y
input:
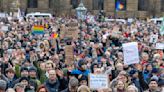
{"x": 153, "y": 86}
{"x": 63, "y": 54}
{"x": 72, "y": 86}
{"x": 3, "y": 85}
{"x": 42, "y": 88}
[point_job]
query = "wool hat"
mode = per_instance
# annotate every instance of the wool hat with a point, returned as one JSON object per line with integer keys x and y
{"x": 83, "y": 77}
{"x": 32, "y": 69}
{"x": 23, "y": 78}
{"x": 132, "y": 72}
{"x": 73, "y": 82}
{"x": 24, "y": 69}
{"x": 81, "y": 62}
{"x": 3, "y": 84}
{"x": 155, "y": 70}
{"x": 18, "y": 85}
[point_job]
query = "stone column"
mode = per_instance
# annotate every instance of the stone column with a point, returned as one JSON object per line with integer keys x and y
{"x": 131, "y": 8}
{"x": 65, "y": 7}
{"x": 23, "y": 4}
{"x": 109, "y": 7}
{"x": 155, "y": 7}
{"x": 132, "y": 5}
{"x": 43, "y": 4}
{"x": 88, "y": 4}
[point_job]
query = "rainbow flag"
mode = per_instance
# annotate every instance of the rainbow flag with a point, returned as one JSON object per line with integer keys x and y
{"x": 119, "y": 5}
{"x": 54, "y": 35}
{"x": 38, "y": 29}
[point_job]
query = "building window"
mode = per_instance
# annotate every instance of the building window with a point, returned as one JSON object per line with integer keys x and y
{"x": 120, "y": 5}
{"x": 75, "y": 3}
{"x": 162, "y": 5}
{"x": 51, "y": 3}
{"x": 95, "y": 4}
{"x": 143, "y": 5}
{"x": 32, "y": 3}
{"x": 98, "y": 4}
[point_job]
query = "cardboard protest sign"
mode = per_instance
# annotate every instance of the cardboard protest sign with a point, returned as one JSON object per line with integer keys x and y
{"x": 71, "y": 32}
{"x": 159, "y": 46}
{"x": 131, "y": 54}
{"x": 4, "y": 28}
{"x": 97, "y": 81}
{"x": 72, "y": 24}
{"x": 62, "y": 31}
{"x": 153, "y": 38}
{"x": 69, "y": 54}
{"x": 68, "y": 49}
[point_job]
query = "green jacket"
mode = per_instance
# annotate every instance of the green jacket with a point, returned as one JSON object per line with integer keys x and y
{"x": 41, "y": 74}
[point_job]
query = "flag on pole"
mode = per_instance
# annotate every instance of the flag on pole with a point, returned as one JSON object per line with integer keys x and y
{"x": 38, "y": 29}
{"x": 54, "y": 35}
{"x": 162, "y": 28}
{"x": 120, "y": 5}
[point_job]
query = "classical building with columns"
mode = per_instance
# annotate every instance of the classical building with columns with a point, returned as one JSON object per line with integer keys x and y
{"x": 128, "y": 8}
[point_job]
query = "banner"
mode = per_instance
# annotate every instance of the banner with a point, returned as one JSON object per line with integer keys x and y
{"x": 97, "y": 81}
{"x": 131, "y": 54}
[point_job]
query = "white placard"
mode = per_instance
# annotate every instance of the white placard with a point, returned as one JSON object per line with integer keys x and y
{"x": 97, "y": 81}
{"x": 5, "y": 28}
{"x": 131, "y": 54}
{"x": 159, "y": 46}
{"x": 130, "y": 20}
{"x": 153, "y": 38}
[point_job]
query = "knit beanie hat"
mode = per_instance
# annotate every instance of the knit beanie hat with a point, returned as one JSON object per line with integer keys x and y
{"x": 73, "y": 82}
{"x": 3, "y": 84}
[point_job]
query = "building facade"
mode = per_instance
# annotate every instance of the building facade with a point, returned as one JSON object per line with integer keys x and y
{"x": 116, "y": 8}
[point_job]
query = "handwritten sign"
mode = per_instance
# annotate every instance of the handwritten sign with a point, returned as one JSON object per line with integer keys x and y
{"x": 72, "y": 32}
{"x": 160, "y": 46}
{"x": 131, "y": 54}
{"x": 5, "y": 28}
{"x": 153, "y": 38}
{"x": 69, "y": 55}
{"x": 98, "y": 81}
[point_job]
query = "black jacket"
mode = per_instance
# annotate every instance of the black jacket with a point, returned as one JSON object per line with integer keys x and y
{"x": 52, "y": 87}
{"x": 66, "y": 90}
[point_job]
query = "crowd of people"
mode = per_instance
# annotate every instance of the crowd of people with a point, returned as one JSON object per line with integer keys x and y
{"x": 33, "y": 63}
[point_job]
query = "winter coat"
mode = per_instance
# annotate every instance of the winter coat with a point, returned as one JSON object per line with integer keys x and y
{"x": 52, "y": 87}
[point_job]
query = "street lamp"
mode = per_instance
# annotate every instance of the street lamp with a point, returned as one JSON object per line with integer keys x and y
{"x": 81, "y": 11}
{"x": 81, "y": 15}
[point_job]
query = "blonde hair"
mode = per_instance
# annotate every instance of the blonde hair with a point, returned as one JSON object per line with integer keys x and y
{"x": 10, "y": 90}
{"x": 133, "y": 87}
{"x": 83, "y": 88}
